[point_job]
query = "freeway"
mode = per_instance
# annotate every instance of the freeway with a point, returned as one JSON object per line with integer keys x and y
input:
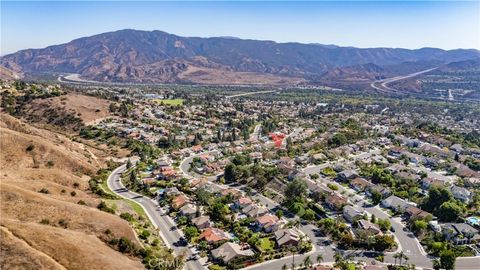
{"x": 382, "y": 85}
{"x": 156, "y": 215}
{"x": 251, "y": 93}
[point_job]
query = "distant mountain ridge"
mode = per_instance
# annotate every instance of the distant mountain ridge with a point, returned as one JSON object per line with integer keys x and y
{"x": 156, "y": 56}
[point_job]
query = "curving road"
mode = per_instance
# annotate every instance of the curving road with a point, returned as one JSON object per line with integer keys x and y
{"x": 382, "y": 85}
{"x": 157, "y": 216}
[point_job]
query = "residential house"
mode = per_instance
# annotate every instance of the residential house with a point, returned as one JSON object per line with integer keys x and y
{"x": 256, "y": 156}
{"x": 235, "y": 193}
{"x": 352, "y": 212}
{"x": 286, "y": 164}
{"x": 268, "y": 222}
{"x": 213, "y": 235}
{"x": 429, "y": 182}
{"x": 413, "y": 212}
{"x": 229, "y": 252}
{"x": 347, "y": 175}
{"x": 189, "y": 210}
{"x": 198, "y": 183}
{"x": 371, "y": 228}
{"x": 296, "y": 174}
{"x": 302, "y": 160}
{"x": 171, "y": 191}
{"x": 254, "y": 211}
{"x": 335, "y": 201}
{"x": 179, "y": 201}
{"x": 395, "y": 151}
{"x": 202, "y": 222}
{"x": 287, "y": 237}
{"x": 197, "y": 148}
{"x": 395, "y": 203}
{"x": 318, "y": 157}
{"x": 360, "y": 184}
{"x": 384, "y": 191}
{"x": 407, "y": 176}
{"x": 242, "y": 202}
{"x": 461, "y": 194}
{"x": 459, "y": 233}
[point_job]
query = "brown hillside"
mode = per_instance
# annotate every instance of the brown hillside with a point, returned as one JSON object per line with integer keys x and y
{"x": 87, "y": 108}
{"x": 31, "y": 160}
{"x": 69, "y": 249}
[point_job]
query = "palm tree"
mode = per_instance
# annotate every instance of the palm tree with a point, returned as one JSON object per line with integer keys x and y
{"x": 307, "y": 262}
{"x": 396, "y": 256}
{"x": 401, "y": 256}
{"x": 319, "y": 258}
{"x": 406, "y": 259}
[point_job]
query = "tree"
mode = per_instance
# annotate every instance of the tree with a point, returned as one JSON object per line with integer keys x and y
{"x": 296, "y": 191}
{"x": 319, "y": 258}
{"x": 384, "y": 224}
{"x": 376, "y": 197}
{"x": 129, "y": 164}
{"x": 125, "y": 245}
{"x": 229, "y": 174}
{"x": 436, "y": 197}
{"x": 309, "y": 214}
{"x": 191, "y": 232}
{"x": 447, "y": 259}
{"x": 218, "y": 210}
{"x": 203, "y": 196}
{"x": 338, "y": 139}
{"x": 400, "y": 257}
{"x": 449, "y": 211}
{"x": 307, "y": 262}
{"x": 383, "y": 242}
{"x": 279, "y": 213}
{"x": 419, "y": 226}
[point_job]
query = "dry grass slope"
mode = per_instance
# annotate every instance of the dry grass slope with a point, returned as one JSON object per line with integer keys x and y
{"x": 32, "y": 159}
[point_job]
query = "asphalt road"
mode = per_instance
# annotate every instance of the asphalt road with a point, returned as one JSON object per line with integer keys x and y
{"x": 186, "y": 164}
{"x": 251, "y": 93}
{"x": 156, "y": 215}
{"x": 382, "y": 85}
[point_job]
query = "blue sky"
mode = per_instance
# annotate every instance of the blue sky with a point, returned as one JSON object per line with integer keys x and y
{"x": 405, "y": 24}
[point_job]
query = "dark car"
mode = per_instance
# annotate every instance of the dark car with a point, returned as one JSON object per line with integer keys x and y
{"x": 182, "y": 242}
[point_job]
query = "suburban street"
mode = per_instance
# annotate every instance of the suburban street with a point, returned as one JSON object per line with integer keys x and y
{"x": 156, "y": 215}
{"x": 407, "y": 242}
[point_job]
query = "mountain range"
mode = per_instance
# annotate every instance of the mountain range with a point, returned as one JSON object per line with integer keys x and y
{"x": 159, "y": 57}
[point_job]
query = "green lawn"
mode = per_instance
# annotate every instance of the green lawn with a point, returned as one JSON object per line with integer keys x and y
{"x": 173, "y": 102}
{"x": 135, "y": 206}
{"x": 265, "y": 244}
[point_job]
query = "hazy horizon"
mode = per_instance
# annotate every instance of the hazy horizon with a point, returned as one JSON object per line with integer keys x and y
{"x": 410, "y": 25}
